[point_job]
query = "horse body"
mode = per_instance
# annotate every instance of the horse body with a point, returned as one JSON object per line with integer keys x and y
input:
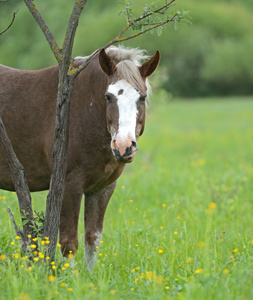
{"x": 99, "y": 141}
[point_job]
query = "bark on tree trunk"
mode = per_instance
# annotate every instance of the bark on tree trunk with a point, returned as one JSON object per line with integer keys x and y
{"x": 21, "y": 187}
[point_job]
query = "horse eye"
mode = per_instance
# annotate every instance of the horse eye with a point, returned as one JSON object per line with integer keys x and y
{"x": 143, "y": 98}
{"x": 108, "y": 98}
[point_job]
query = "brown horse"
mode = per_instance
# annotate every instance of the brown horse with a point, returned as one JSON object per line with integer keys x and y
{"x": 107, "y": 117}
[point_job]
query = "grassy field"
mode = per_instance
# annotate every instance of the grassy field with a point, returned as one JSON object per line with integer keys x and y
{"x": 179, "y": 225}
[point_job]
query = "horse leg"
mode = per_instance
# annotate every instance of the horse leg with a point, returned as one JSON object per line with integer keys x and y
{"x": 95, "y": 206}
{"x": 69, "y": 218}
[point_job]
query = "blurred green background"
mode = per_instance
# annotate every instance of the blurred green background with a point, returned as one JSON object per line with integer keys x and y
{"x": 211, "y": 57}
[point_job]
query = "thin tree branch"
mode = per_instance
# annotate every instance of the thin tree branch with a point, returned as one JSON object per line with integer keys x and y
{"x": 13, "y": 18}
{"x": 119, "y": 39}
{"x": 49, "y": 36}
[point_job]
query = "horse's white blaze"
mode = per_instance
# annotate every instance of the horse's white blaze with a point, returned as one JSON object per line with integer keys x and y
{"x": 127, "y": 107}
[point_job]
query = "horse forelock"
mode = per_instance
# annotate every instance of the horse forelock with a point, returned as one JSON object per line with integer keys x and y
{"x": 127, "y": 61}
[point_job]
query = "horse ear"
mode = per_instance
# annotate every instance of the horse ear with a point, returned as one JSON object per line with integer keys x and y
{"x": 149, "y": 66}
{"x": 106, "y": 63}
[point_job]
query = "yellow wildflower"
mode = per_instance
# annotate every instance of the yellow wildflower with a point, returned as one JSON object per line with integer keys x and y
{"x": 51, "y": 278}
{"x": 212, "y": 205}
{"x": 226, "y": 271}
{"x": 160, "y": 251}
{"x": 3, "y": 257}
{"x": 71, "y": 256}
{"x": 199, "y": 271}
{"x": 112, "y": 292}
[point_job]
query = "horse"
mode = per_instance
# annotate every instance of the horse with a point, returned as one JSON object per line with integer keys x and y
{"x": 107, "y": 116}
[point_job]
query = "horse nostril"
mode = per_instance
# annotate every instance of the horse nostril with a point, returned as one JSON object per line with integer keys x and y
{"x": 134, "y": 144}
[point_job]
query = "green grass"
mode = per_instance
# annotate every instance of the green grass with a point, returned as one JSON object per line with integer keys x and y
{"x": 188, "y": 193}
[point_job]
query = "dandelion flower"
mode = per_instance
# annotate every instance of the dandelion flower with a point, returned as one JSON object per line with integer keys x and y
{"x": 212, "y": 205}
{"x": 71, "y": 256}
{"x": 112, "y": 292}
{"x": 188, "y": 260}
{"x": 236, "y": 250}
{"x": 12, "y": 243}
{"x": 164, "y": 205}
{"x": 58, "y": 245}
{"x": 199, "y": 271}
{"x": 175, "y": 232}
{"x": 167, "y": 288}
{"x": 3, "y": 257}
{"x": 133, "y": 270}
{"x": 33, "y": 246}
{"x": 160, "y": 251}
{"x": 51, "y": 278}
{"x": 66, "y": 265}
{"x": 226, "y": 271}
{"x": 17, "y": 237}
{"x": 63, "y": 284}
{"x": 43, "y": 243}
{"x": 36, "y": 259}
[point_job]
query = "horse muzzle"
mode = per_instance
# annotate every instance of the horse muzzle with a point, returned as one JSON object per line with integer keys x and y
{"x": 124, "y": 151}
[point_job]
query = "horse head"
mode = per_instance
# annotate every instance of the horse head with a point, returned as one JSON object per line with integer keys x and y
{"x": 125, "y": 98}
